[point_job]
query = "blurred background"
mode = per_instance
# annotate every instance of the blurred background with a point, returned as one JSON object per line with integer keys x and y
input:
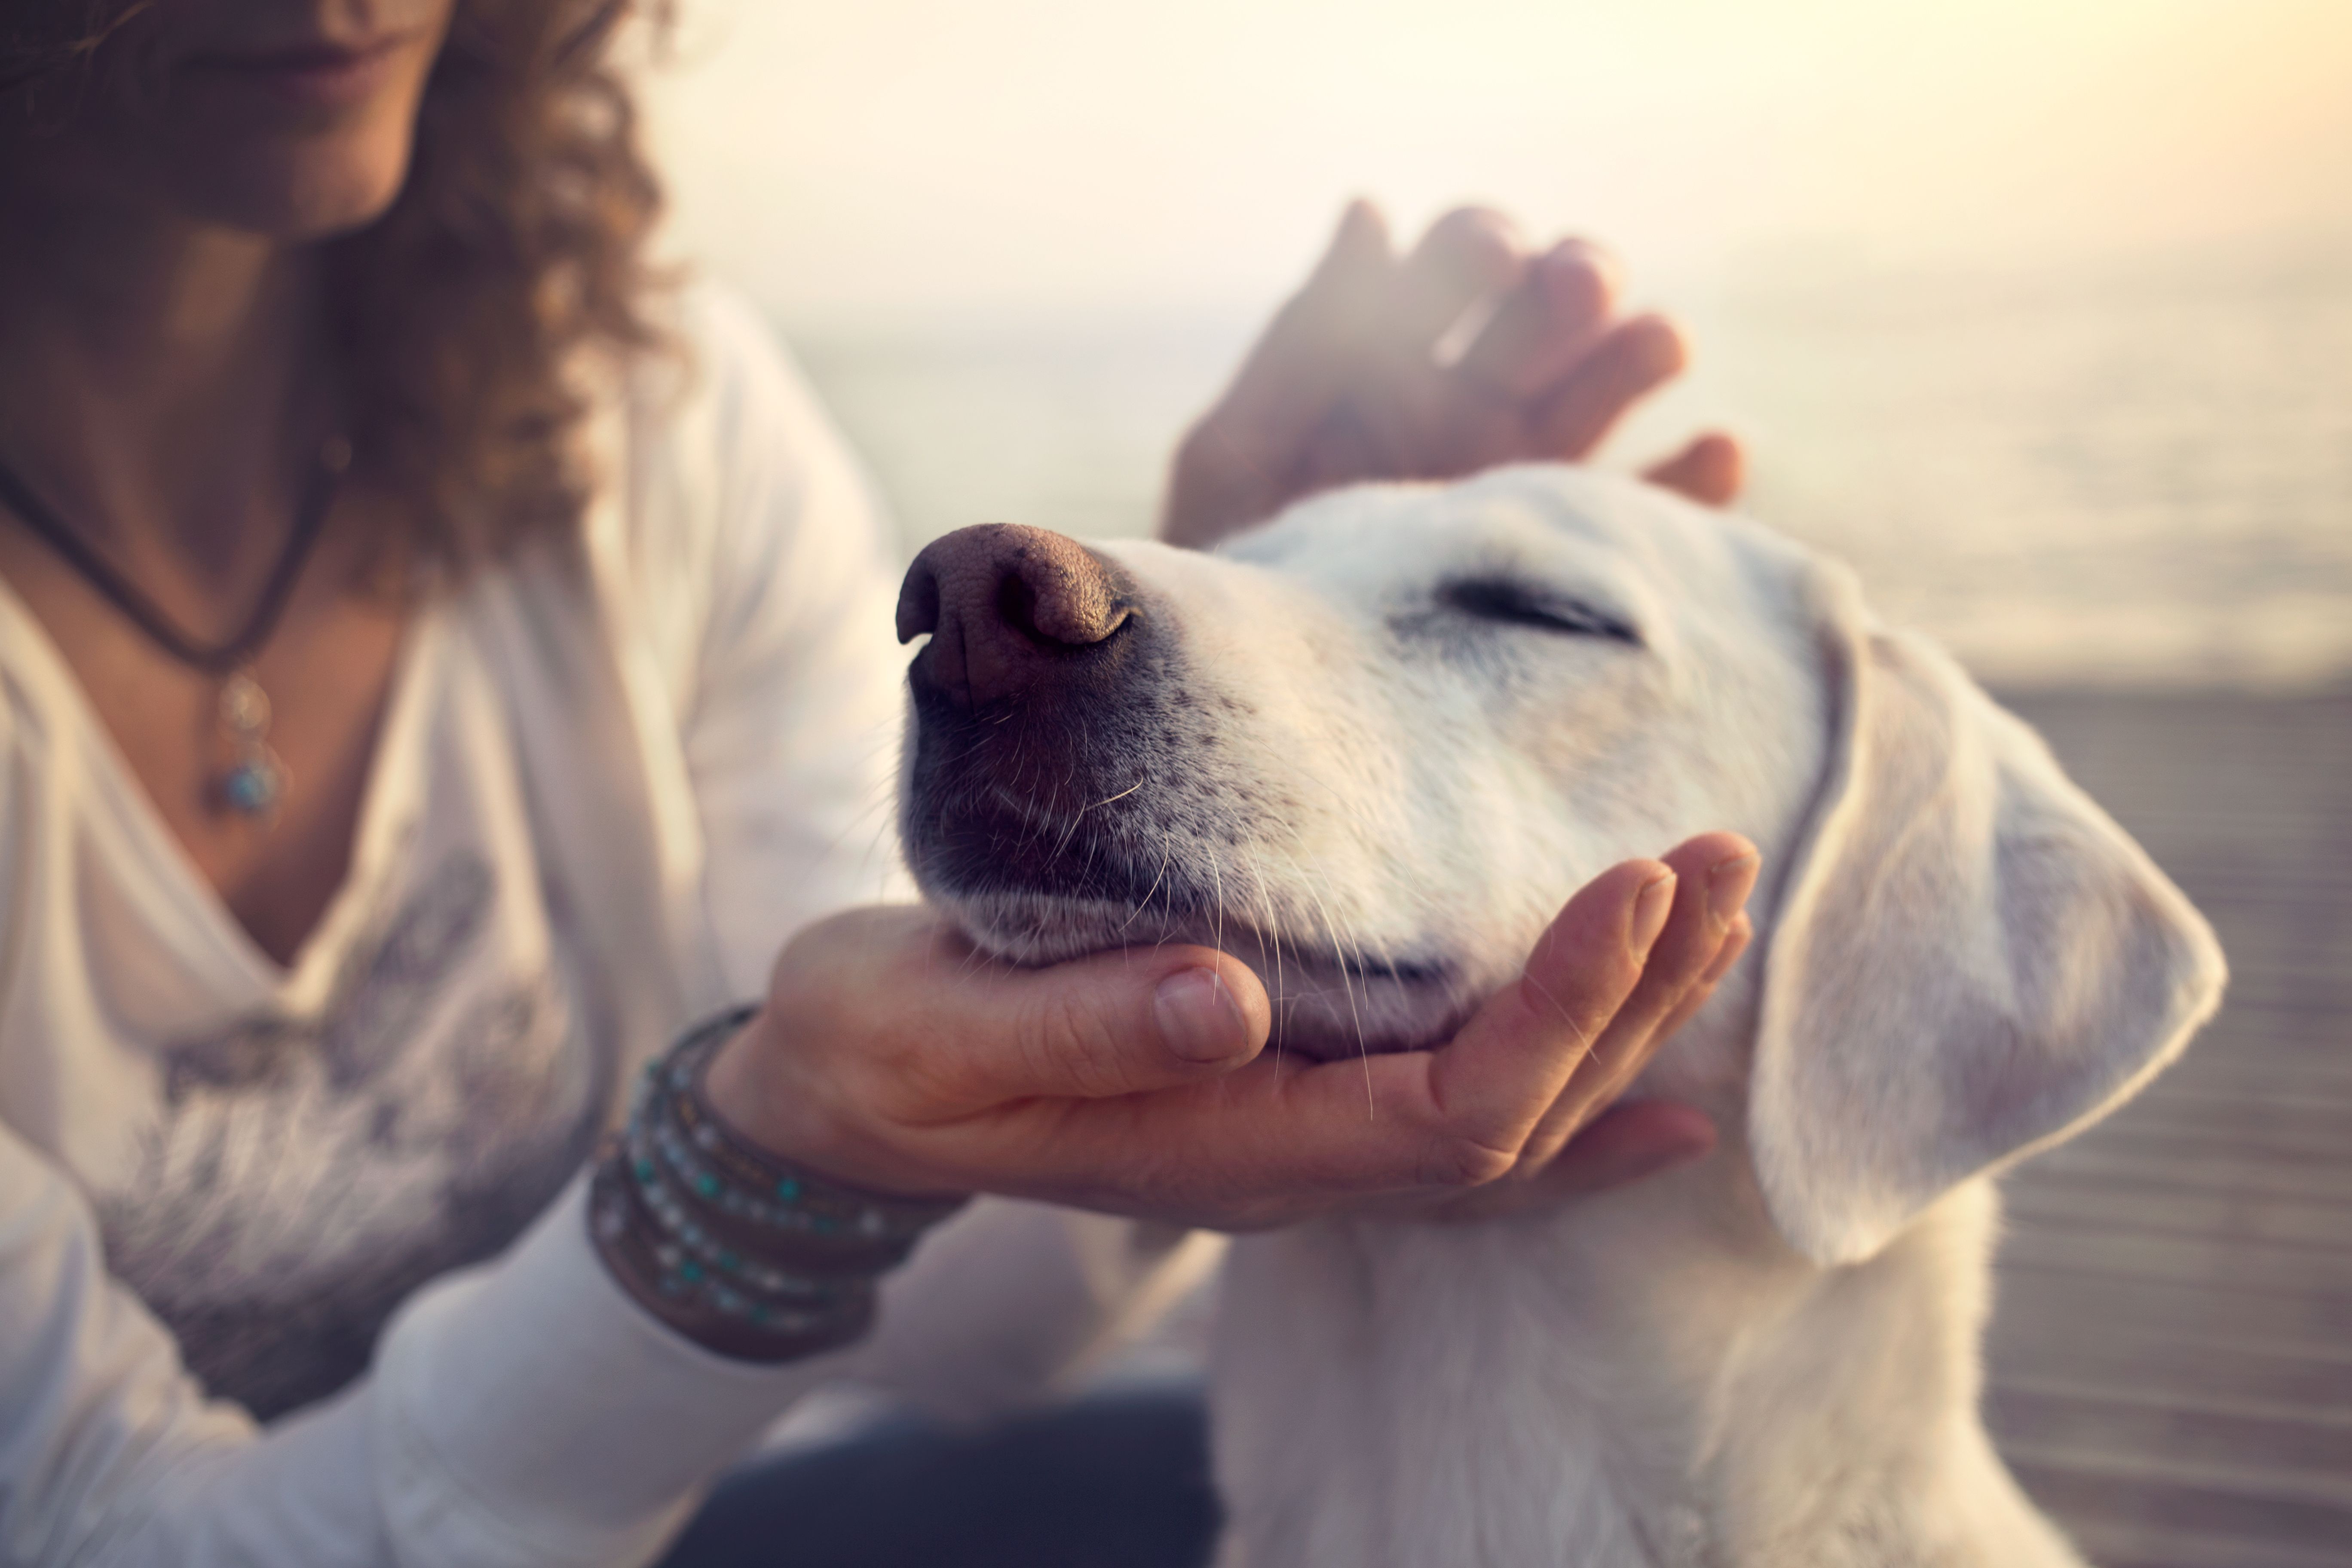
{"x": 2039, "y": 311}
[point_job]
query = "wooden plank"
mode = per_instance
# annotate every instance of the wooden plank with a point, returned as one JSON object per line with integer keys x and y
{"x": 2055, "y": 1202}
{"x": 2309, "y": 1456}
{"x": 2125, "y": 1545}
{"x": 2220, "y": 1312}
{"x": 2252, "y": 1266}
{"x": 2311, "y": 1130}
{"x": 2247, "y": 1170}
{"x": 2054, "y": 1350}
{"x": 2169, "y": 1367}
{"x": 2154, "y": 1499}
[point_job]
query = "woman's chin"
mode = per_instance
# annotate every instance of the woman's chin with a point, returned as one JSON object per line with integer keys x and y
{"x": 296, "y": 188}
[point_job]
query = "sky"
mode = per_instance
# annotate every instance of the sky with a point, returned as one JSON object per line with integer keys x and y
{"x": 893, "y": 158}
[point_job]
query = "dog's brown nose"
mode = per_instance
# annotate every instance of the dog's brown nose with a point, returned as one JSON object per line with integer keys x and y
{"x": 1008, "y": 608}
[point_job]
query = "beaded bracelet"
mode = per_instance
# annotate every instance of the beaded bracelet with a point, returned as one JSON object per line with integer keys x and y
{"x": 746, "y": 1253}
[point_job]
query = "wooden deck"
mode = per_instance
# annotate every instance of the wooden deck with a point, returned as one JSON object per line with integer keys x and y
{"x": 2171, "y": 1358}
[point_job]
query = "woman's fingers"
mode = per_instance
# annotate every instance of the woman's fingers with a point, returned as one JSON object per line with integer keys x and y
{"x": 1464, "y": 353}
{"x": 1632, "y": 360}
{"x": 1627, "y": 1142}
{"x": 1136, "y": 1081}
{"x": 1710, "y": 470}
{"x": 1273, "y": 1140}
{"x": 1238, "y": 463}
{"x": 1115, "y": 1024}
{"x": 1342, "y": 385}
{"x": 924, "y": 1030}
{"x": 1612, "y": 967}
{"x": 1542, "y": 328}
{"x": 1472, "y": 254}
{"x": 1735, "y": 943}
{"x": 1624, "y": 1144}
{"x": 1532, "y": 1036}
{"x": 1715, "y": 872}
{"x": 1298, "y": 368}
{"x": 1583, "y": 1144}
{"x": 1405, "y": 412}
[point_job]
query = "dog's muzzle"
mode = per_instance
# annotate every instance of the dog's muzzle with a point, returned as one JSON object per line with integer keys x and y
{"x": 1037, "y": 699}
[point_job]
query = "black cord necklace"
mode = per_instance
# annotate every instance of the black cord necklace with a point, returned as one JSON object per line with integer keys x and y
{"x": 255, "y": 781}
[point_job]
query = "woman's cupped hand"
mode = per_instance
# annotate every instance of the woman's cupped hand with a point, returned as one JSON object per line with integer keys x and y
{"x": 1138, "y": 1082}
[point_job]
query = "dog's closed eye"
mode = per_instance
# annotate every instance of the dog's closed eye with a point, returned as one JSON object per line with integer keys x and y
{"x": 1512, "y": 600}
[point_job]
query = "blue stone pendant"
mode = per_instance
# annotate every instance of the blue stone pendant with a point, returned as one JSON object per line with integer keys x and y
{"x": 252, "y": 788}
{"x": 255, "y": 782}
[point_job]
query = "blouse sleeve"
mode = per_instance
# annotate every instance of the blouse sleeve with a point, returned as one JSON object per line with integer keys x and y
{"x": 763, "y": 574}
{"x": 525, "y": 1412}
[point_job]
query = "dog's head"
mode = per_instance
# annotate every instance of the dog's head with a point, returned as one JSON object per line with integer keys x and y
{"x": 1370, "y": 747}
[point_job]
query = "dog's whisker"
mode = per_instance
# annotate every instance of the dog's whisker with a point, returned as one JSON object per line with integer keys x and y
{"x": 1115, "y": 799}
{"x": 1270, "y": 933}
{"x": 1077, "y": 818}
{"x": 1348, "y": 986}
{"x": 1166, "y": 850}
{"x": 1217, "y": 892}
{"x": 880, "y": 797}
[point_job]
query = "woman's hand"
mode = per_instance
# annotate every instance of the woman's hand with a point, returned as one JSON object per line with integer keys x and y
{"x": 1134, "y": 1082}
{"x": 1468, "y": 352}
{"x": 1586, "y": 1141}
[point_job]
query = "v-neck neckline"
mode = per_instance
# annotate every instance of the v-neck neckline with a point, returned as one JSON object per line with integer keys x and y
{"x": 305, "y": 983}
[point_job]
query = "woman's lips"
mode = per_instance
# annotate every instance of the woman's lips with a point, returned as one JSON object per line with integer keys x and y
{"x": 318, "y": 76}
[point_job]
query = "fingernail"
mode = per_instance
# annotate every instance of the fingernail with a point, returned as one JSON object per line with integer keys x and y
{"x": 1650, "y": 911}
{"x": 1198, "y": 1016}
{"x": 1729, "y": 883}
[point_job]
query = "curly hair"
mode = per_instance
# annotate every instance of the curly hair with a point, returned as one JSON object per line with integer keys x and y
{"x": 517, "y": 240}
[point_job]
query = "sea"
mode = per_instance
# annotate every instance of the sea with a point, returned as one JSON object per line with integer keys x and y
{"x": 2123, "y": 475}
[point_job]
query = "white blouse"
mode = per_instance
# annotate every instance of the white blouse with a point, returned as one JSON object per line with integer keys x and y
{"x": 610, "y": 782}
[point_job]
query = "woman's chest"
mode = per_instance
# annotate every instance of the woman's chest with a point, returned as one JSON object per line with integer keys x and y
{"x": 303, "y": 717}
{"x": 279, "y": 1156}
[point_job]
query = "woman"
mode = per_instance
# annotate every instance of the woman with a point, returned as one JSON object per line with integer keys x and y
{"x": 438, "y": 667}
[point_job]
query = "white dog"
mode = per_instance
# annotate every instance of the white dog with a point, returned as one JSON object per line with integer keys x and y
{"x": 1369, "y": 748}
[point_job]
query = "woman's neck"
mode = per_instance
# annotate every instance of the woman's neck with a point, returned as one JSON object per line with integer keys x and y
{"x": 162, "y": 381}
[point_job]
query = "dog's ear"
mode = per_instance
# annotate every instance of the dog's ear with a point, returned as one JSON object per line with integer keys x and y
{"x": 1970, "y": 960}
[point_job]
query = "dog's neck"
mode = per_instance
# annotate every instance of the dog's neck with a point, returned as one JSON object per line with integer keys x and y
{"x": 1652, "y": 1377}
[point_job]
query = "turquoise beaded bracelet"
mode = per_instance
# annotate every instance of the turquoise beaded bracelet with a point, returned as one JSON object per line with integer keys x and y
{"x": 749, "y": 1254}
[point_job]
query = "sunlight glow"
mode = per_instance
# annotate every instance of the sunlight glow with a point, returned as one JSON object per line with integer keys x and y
{"x": 947, "y": 154}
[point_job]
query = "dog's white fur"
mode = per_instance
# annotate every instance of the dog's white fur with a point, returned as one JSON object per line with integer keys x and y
{"x": 1770, "y": 1357}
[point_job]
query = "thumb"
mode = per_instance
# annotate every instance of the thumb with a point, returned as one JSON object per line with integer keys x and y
{"x": 1116, "y": 1023}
